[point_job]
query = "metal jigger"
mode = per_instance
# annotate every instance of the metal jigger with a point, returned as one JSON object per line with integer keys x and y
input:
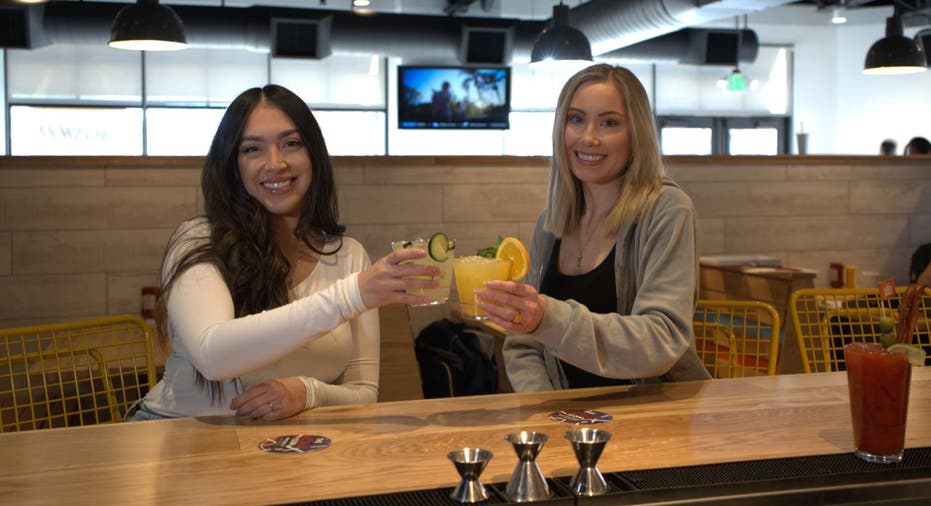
{"x": 588, "y": 444}
{"x": 527, "y": 483}
{"x": 470, "y": 462}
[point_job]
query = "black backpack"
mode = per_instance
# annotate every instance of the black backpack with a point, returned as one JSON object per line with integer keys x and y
{"x": 452, "y": 361}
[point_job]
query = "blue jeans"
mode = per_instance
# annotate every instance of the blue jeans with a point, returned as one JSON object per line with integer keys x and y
{"x": 139, "y": 413}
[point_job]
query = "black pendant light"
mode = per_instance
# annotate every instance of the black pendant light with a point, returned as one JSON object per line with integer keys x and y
{"x": 560, "y": 41}
{"x": 147, "y": 26}
{"x": 895, "y": 54}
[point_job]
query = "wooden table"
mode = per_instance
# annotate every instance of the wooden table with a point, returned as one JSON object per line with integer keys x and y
{"x": 399, "y": 446}
{"x": 773, "y": 285}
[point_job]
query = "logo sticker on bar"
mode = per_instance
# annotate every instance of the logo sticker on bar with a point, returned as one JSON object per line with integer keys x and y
{"x": 299, "y": 443}
{"x": 579, "y": 416}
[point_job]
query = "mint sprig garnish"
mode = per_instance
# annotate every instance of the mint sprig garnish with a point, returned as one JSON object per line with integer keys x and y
{"x": 490, "y": 251}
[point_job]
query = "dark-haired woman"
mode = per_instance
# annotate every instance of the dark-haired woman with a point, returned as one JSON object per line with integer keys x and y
{"x": 269, "y": 308}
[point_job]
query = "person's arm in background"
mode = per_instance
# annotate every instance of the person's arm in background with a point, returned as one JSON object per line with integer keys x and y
{"x": 924, "y": 279}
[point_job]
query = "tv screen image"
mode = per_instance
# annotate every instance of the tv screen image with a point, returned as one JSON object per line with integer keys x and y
{"x": 454, "y": 97}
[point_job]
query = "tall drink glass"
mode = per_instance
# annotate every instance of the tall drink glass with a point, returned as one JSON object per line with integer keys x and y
{"x": 878, "y": 381}
{"x": 471, "y": 274}
{"x": 440, "y": 294}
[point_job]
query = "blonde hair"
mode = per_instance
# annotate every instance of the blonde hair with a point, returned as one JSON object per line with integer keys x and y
{"x": 643, "y": 175}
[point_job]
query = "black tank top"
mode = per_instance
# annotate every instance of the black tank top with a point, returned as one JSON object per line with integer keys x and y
{"x": 596, "y": 291}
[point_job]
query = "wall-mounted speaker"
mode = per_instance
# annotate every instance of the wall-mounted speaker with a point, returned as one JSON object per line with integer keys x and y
{"x": 20, "y": 26}
{"x": 486, "y": 45}
{"x": 301, "y": 38}
{"x": 721, "y": 48}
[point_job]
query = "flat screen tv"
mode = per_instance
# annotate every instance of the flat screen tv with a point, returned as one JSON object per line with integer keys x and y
{"x": 454, "y": 97}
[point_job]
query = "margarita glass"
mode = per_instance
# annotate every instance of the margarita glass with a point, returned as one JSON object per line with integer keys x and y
{"x": 440, "y": 253}
{"x": 471, "y": 274}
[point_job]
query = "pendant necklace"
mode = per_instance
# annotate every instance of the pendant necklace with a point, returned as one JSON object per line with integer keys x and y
{"x": 578, "y": 257}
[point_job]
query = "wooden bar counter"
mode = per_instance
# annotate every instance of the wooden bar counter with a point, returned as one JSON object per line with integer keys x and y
{"x": 402, "y": 446}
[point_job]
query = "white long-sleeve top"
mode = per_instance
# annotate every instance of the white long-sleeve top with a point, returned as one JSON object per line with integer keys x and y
{"x": 325, "y": 336}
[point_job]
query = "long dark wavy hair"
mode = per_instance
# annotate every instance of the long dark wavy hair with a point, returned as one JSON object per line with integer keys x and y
{"x": 241, "y": 244}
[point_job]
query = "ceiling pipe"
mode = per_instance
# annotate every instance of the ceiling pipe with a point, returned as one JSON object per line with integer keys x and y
{"x": 612, "y": 24}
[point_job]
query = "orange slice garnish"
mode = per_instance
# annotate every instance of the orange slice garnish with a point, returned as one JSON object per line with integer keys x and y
{"x": 512, "y": 249}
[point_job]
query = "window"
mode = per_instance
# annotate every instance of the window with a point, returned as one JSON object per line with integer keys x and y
{"x": 71, "y": 74}
{"x": 686, "y": 140}
{"x": 73, "y": 99}
{"x": 353, "y": 133}
{"x": 202, "y": 77}
{"x": 695, "y": 135}
{"x": 173, "y": 132}
{"x": 3, "y": 109}
{"x": 75, "y": 131}
{"x": 337, "y": 82}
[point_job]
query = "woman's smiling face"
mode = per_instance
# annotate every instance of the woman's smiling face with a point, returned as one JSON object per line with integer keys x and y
{"x": 597, "y": 133}
{"x": 274, "y": 164}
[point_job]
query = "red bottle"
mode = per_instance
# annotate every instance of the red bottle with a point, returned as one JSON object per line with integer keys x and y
{"x": 837, "y": 275}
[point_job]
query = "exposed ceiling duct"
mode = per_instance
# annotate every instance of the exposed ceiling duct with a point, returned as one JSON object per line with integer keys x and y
{"x": 609, "y": 25}
{"x": 613, "y": 24}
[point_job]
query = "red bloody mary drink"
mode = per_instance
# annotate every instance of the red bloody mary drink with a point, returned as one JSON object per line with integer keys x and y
{"x": 878, "y": 381}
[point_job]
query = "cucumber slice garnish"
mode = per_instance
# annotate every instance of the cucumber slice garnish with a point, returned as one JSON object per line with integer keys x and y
{"x": 438, "y": 247}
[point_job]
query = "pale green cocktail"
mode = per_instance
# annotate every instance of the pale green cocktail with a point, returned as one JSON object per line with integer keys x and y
{"x": 440, "y": 253}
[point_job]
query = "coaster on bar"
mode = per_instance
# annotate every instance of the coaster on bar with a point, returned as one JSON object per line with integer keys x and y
{"x": 579, "y": 416}
{"x": 299, "y": 443}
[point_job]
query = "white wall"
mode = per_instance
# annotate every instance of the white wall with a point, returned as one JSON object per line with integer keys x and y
{"x": 845, "y": 111}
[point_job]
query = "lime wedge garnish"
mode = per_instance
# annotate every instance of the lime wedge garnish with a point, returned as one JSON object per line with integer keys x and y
{"x": 438, "y": 247}
{"x": 914, "y": 354}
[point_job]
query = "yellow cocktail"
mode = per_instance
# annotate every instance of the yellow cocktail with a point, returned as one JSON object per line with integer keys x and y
{"x": 471, "y": 274}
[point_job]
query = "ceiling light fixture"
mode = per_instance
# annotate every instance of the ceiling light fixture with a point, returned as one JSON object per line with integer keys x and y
{"x": 362, "y": 8}
{"x": 839, "y": 16}
{"x": 560, "y": 41}
{"x": 895, "y": 53}
{"x": 147, "y": 26}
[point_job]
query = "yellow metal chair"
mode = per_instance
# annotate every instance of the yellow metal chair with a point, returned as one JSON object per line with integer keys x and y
{"x": 737, "y": 338}
{"x": 825, "y": 320}
{"x": 75, "y": 373}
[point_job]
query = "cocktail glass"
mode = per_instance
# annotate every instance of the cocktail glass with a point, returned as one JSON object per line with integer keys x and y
{"x": 879, "y": 382}
{"x": 471, "y": 274}
{"x": 440, "y": 294}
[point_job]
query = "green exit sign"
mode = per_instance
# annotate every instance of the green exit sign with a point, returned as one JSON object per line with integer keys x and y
{"x": 736, "y": 81}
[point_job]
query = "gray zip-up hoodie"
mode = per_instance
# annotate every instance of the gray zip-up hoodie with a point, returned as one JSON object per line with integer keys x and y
{"x": 650, "y": 337}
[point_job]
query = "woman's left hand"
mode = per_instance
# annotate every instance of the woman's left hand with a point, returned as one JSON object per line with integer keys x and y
{"x": 515, "y": 306}
{"x": 272, "y": 400}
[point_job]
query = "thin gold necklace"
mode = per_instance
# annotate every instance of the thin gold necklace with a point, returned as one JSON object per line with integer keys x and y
{"x": 578, "y": 256}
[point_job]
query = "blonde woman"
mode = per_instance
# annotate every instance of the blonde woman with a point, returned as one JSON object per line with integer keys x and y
{"x": 614, "y": 258}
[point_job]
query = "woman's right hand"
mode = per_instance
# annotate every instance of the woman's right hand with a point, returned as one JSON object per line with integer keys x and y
{"x": 387, "y": 280}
